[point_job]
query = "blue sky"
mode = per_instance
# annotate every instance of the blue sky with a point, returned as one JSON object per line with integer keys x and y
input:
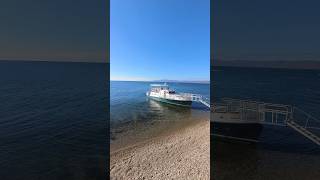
{"x": 159, "y": 39}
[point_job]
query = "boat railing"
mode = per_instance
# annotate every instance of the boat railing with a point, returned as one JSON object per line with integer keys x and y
{"x": 186, "y": 94}
{"x": 197, "y": 98}
{"x": 178, "y": 95}
{"x": 272, "y": 114}
{"x": 249, "y": 110}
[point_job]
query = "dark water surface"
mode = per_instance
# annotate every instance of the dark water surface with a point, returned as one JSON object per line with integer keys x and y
{"x": 53, "y": 120}
{"x": 282, "y": 153}
{"x": 134, "y": 117}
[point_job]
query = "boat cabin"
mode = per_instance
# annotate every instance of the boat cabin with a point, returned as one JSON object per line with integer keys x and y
{"x": 161, "y": 87}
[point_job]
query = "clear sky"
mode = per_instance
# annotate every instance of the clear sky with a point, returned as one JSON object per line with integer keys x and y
{"x": 53, "y": 30}
{"x": 266, "y": 30}
{"x": 160, "y": 39}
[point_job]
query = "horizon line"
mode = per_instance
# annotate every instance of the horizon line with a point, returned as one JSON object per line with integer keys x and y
{"x": 168, "y": 81}
{"x": 57, "y": 60}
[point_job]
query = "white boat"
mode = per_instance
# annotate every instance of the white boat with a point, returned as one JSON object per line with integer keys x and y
{"x": 162, "y": 92}
{"x": 244, "y": 119}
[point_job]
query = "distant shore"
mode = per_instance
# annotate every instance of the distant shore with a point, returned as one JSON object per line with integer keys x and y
{"x": 269, "y": 64}
{"x": 163, "y": 81}
{"x": 180, "y": 154}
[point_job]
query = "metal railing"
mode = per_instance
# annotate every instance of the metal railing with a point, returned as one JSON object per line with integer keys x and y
{"x": 262, "y": 112}
{"x": 201, "y": 99}
{"x": 272, "y": 114}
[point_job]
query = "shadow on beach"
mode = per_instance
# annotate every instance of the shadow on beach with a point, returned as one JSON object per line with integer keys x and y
{"x": 244, "y": 161}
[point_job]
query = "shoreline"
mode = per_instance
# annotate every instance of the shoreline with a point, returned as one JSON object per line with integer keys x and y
{"x": 182, "y": 153}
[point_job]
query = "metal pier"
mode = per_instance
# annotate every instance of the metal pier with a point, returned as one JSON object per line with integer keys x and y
{"x": 273, "y": 114}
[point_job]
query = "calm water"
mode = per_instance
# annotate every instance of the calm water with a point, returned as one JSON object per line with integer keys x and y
{"x": 282, "y": 153}
{"x": 53, "y": 120}
{"x": 129, "y": 108}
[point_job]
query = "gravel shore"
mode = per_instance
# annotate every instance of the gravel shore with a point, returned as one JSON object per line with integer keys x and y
{"x": 180, "y": 154}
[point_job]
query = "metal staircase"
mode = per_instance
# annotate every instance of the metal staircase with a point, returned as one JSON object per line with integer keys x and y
{"x": 204, "y": 103}
{"x": 304, "y": 132}
{"x": 201, "y": 99}
{"x": 305, "y": 124}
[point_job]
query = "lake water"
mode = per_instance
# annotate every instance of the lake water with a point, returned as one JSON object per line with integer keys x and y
{"x": 53, "y": 120}
{"x": 134, "y": 117}
{"x": 282, "y": 153}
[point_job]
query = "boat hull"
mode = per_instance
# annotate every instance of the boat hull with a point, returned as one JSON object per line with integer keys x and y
{"x": 173, "y": 102}
{"x": 249, "y": 132}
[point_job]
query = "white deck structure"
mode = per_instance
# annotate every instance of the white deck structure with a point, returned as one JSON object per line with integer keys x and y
{"x": 272, "y": 114}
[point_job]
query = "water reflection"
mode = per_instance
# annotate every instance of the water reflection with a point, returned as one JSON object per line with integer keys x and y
{"x": 149, "y": 119}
